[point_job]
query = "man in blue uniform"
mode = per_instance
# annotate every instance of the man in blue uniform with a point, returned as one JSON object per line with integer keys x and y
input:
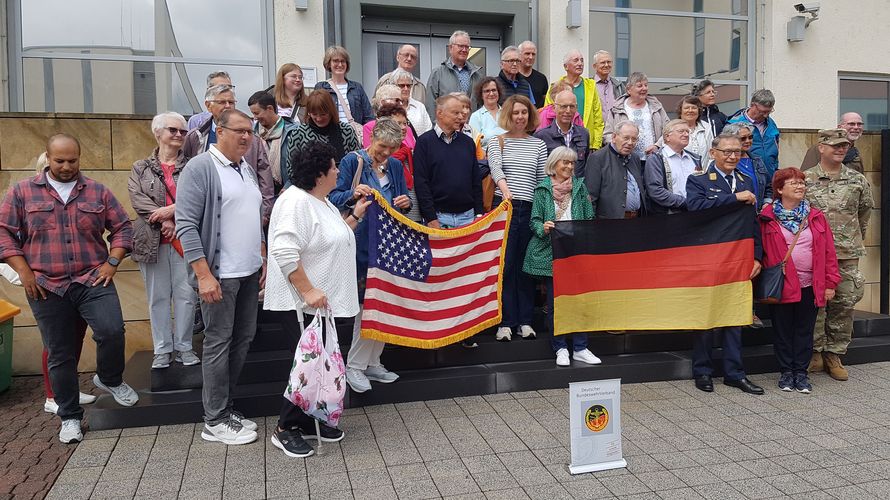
{"x": 722, "y": 185}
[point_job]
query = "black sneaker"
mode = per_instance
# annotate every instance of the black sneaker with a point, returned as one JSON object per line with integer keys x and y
{"x": 292, "y": 445}
{"x": 328, "y": 434}
{"x": 786, "y": 382}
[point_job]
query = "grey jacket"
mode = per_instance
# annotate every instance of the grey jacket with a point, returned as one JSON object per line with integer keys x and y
{"x": 147, "y": 194}
{"x": 443, "y": 80}
{"x": 257, "y": 156}
{"x": 198, "y": 209}
{"x": 617, "y": 115}
{"x": 606, "y": 179}
{"x": 659, "y": 184}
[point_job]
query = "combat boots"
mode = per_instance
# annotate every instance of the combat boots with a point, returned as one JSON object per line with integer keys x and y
{"x": 834, "y": 367}
{"x": 817, "y": 364}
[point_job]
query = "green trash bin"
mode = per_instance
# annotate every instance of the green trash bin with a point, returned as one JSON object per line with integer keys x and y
{"x": 7, "y": 312}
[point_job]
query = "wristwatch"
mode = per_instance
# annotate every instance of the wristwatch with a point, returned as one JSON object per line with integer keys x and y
{"x": 113, "y": 261}
{"x": 357, "y": 218}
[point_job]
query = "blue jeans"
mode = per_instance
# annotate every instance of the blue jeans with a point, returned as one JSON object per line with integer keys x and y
{"x": 579, "y": 340}
{"x": 57, "y": 319}
{"x": 518, "y": 295}
{"x": 449, "y": 221}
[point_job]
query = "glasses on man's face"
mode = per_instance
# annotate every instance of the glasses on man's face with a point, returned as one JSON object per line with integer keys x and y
{"x": 225, "y": 102}
{"x": 566, "y": 107}
{"x": 409, "y": 56}
{"x": 176, "y": 130}
{"x": 685, "y": 131}
{"x": 460, "y": 46}
{"x": 729, "y": 152}
{"x": 510, "y": 61}
{"x": 238, "y": 131}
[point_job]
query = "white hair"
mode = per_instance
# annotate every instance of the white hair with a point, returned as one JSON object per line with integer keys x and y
{"x": 398, "y": 75}
{"x": 599, "y": 53}
{"x": 214, "y": 91}
{"x": 508, "y": 49}
{"x": 527, "y": 43}
{"x": 159, "y": 122}
{"x": 457, "y": 34}
{"x": 570, "y": 54}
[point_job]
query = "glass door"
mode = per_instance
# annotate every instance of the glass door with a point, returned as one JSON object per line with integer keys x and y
{"x": 379, "y": 56}
{"x": 483, "y": 53}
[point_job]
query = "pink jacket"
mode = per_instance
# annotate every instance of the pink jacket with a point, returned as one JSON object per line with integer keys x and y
{"x": 825, "y": 271}
{"x": 547, "y": 114}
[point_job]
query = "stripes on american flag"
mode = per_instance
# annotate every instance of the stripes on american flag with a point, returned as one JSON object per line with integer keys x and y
{"x": 428, "y": 287}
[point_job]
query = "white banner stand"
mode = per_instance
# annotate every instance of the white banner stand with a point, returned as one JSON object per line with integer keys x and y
{"x": 595, "y": 426}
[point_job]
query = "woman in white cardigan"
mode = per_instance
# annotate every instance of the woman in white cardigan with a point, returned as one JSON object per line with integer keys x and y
{"x": 311, "y": 266}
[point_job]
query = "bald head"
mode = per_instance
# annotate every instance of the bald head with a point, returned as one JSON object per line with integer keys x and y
{"x": 407, "y": 57}
{"x": 852, "y": 123}
{"x": 63, "y": 156}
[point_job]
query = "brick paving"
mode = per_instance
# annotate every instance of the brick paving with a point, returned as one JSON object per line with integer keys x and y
{"x": 679, "y": 443}
{"x": 31, "y": 456}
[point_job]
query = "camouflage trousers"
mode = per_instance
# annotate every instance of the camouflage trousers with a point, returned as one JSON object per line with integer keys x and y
{"x": 834, "y": 323}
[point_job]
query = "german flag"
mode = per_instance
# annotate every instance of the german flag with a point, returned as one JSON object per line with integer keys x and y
{"x": 687, "y": 271}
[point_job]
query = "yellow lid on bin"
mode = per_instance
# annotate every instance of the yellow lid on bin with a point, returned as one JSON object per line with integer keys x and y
{"x": 8, "y": 311}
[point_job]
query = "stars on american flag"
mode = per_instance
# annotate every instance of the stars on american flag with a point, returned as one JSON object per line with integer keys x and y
{"x": 401, "y": 250}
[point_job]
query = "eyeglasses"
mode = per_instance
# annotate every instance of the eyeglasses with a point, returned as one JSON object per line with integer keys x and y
{"x": 176, "y": 130}
{"x": 729, "y": 152}
{"x": 405, "y": 85}
{"x": 225, "y": 102}
{"x": 566, "y": 107}
{"x": 511, "y": 61}
{"x": 795, "y": 183}
{"x": 408, "y": 56}
{"x": 681, "y": 132}
{"x": 460, "y": 46}
{"x": 238, "y": 131}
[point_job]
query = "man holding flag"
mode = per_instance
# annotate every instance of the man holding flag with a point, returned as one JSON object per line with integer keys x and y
{"x": 722, "y": 185}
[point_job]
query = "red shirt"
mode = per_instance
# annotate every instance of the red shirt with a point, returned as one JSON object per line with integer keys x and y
{"x": 171, "y": 190}
{"x": 62, "y": 242}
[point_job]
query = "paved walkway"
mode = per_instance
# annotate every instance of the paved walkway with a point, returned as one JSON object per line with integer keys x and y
{"x": 679, "y": 443}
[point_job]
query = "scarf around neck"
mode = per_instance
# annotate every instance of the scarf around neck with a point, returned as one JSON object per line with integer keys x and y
{"x": 561, "y": 190}
{"x": 791, "y": 219}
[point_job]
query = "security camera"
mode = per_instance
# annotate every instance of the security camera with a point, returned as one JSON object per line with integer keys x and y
{"x": 808, "y": 7}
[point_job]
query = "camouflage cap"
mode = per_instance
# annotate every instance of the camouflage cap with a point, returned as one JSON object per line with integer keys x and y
{"x": 833, "y": 136}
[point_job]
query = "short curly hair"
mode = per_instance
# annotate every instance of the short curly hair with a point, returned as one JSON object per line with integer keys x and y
{"x": 310, "y": 163}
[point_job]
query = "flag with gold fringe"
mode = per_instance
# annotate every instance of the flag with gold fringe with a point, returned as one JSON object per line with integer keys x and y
{"x": 688, "y": 271}
{"x": 428, "y": 287}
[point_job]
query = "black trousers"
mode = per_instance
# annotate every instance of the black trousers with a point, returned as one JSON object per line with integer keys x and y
{"x": 291, "y": 416}
{"x": 58, "y": 319}
{"x": 793, "y": 324}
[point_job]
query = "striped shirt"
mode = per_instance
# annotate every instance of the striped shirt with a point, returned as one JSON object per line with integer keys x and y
{"x": 522, "y": 165}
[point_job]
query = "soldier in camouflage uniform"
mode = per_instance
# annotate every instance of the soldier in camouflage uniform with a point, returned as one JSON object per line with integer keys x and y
{"x": 845, "y": 197}
{"x": 852, "y": 123}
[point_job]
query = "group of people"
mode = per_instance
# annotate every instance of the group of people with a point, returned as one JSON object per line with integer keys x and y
{"x": 234, "y": 209}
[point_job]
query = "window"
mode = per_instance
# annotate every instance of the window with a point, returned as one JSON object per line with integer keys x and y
{"x": 870, "y": 97}
{"x": 124, "y": 56}
{"x": 678, "y": 43}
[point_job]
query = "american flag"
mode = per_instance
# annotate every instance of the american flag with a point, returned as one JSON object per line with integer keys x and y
{"x": 432, "y": 287}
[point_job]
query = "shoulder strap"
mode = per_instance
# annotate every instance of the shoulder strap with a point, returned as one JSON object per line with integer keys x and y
{"x": 501, "y": 144}
{"x": 668, "y": 179}
{"x": 342, "y": 100}
{"x": 357, "y": 178}
{"x": 794, "y": 242}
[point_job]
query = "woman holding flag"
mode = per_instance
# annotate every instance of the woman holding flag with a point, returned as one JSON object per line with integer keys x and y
{"x": 372, "y": 168}
{"x": 560, "y": 196}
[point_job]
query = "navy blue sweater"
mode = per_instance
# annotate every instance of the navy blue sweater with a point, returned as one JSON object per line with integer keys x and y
{"x": 446, "y": 176}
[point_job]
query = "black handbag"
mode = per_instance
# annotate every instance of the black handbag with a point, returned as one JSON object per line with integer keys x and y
{"x": 768, "y": 284}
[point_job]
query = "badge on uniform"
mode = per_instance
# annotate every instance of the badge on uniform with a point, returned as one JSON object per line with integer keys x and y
{"x": 712, "y": 176}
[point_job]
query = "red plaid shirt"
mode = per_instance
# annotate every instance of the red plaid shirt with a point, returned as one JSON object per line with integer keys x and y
{"x": 62, "y": 242}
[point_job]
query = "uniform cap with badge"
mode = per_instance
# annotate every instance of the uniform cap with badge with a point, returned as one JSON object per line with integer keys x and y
{"x": 833, "y": 136}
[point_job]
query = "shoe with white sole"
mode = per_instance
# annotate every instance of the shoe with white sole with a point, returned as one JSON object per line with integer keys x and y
{"x": 357, "y": 380}
{"x": 228, "y": 432}
{"x": 70, "y": 432}
{"x": 160, "y": 361}
{"x": 246, "y": 423}
{"x": 504, "y": 334}
{"x": 187, "y": 358}
{"x": 291, "y": 444}
{"x": 527, "y": 332}
{"x": 380, "y": 374}
{"x": 586, "y": 356}
{"x": 562, "y": 357}
{"x": 123, "y": 394}
{"x": 50, "y": 405}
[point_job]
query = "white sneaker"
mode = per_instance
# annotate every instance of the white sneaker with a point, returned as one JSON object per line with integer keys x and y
{"x": 527, "y": 332}
{"x": 123, "y": 394}
{"x": 50, "y": 405}
{"x": 504, "y": 334}
{"x": 562, "y": 357}
{"x": 246, "y": 423}
{"x": 187, "y": 358}
{"x": 586, "y": 356}
{"x": 70, "y": 432}
{"x": 160, "y": 361}
{"x": 357, "y": 380}
{"x": 380, "y": 374}
{"x": 228, "y": 432}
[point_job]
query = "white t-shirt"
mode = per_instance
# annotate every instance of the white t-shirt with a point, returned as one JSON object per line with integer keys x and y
{"x": 63, "y": 188}
{"x": 643, "y": 119}
{"x": 241, "y": 233}
{"x": 342, "y": 88}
